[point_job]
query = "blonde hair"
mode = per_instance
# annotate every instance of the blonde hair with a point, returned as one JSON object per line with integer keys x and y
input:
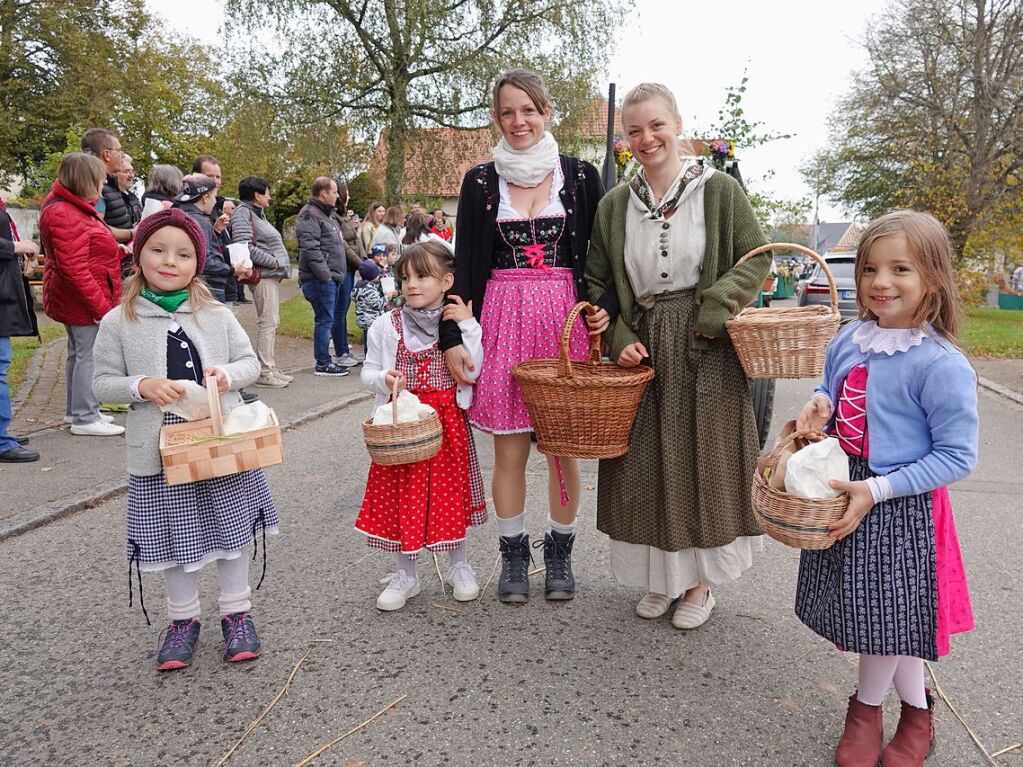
{"x": 932, "y": 252}
{"x": 525, "y": 80}
{"x": 648, "y": 92}
{"x": 82, "y": 174}
{"x": 199, "y": 296}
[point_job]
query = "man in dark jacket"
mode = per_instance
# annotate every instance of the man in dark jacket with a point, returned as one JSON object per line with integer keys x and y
{"x": 197, "y": 198}
{"x": 17, "y": 257}
{"x": 321, "y": 267}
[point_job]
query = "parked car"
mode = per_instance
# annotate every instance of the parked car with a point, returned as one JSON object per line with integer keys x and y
{"x": 816, "y": 290}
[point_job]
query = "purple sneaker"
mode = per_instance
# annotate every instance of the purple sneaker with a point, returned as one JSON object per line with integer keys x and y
{"x": 240, "y": 639}
{"x": 179, "y": 642}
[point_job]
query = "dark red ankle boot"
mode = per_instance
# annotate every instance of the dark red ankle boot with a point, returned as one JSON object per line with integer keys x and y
{"x": 914, "y": 737}
{"x": 860, "y": 745}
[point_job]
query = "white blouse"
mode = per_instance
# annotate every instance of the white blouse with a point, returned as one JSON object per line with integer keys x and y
{"x": 663, "y": 256}
{"x": 506, "y": 211}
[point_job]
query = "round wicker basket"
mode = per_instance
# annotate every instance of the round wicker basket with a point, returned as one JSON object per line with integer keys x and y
{"x": 791, "y": 519}
{"x": 582, "y": 409}
{"x": 400, "y": 443}
{"x": 785, "y": 342}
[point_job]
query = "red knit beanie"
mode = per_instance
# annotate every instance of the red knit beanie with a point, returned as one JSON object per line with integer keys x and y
{"x": 170, "y": 217}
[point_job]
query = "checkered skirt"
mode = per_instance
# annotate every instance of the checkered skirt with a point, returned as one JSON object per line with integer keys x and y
{"x": 198, "y": 522}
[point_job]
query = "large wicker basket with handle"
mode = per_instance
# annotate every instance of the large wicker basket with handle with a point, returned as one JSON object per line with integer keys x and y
{"x": 785, "y": 342}
{"x": 581, "y": 409}
{"x": 791, "y": 519}
{"x": 396, "y": 443}
{"x": 198, "y": 450}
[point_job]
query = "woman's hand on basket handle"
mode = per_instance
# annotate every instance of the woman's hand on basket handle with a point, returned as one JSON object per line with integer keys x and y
{"x": 456, "y": 309}
{"x": 598, "y": 322}
{"x": 161, "y": 391}
{"x": 632, "y": 355}
{"x": 222, "y": 384}
{"x": 459, "y": 361}
{"x": 391, "y": 376}
{"x": 815, "y": 414}
{"x": 861, "y": 501}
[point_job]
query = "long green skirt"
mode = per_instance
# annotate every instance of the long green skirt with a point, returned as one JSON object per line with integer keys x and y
{"x": 685, "y": 482}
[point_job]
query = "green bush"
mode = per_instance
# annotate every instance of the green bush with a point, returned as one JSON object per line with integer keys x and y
{"x": 363, "y": 190}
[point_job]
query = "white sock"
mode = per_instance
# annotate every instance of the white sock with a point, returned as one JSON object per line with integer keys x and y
{"x": 560, "y": 527}
{"x": 182, "y": 593}
{"x": 511, "y": 527}
{"x": 875, "y": 677}
{"x": 909, "y": 681}
{"x": 235, "y": 594}
{"x": 405, "y": 563}
{"x": 457, "y": 556}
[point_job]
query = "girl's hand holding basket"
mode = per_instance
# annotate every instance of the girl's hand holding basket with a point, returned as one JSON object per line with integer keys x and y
{"x": 160, "y": 391}
{"x": 632, "y": 355}
{"x": 815, "y": 414}
{"x": 395, "y": 381}
{"x": 217, "y": 373}
{"x": 861, "y": 501}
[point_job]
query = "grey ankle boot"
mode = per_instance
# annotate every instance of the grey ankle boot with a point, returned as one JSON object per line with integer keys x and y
{"x": 513, "y": 585}
{"x": 559, "y": 582}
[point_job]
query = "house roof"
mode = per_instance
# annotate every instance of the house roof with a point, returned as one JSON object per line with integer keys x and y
{"x": 436, "y": 159}
{"x": 850, "y": 239}
{"x": 829, "y": 235}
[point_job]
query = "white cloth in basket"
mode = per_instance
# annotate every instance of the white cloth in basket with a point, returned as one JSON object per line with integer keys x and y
{"x": 409, "y": 409}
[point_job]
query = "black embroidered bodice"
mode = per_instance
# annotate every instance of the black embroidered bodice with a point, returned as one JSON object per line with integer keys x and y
{"x": 531, "y": 243}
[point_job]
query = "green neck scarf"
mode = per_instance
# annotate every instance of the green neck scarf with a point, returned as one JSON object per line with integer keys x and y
{"x": 168, "y": 300}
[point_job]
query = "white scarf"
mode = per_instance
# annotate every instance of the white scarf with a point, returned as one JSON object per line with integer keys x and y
{"x": 526, "y": 167}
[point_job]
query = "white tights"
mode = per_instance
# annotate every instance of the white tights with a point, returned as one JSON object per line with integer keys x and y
{"x": 878, "y": 672}
{"x": 183, "y": 589}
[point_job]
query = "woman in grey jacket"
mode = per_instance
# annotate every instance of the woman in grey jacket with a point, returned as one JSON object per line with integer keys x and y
{"x": 249, "y": 225}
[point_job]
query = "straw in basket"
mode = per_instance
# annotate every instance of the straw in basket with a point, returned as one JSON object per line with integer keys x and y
{"x": 791, "y": 519}
{"x": 199, "y": 450}
{"x": 400, "y": 443}
{"x": 583, "y": 409}
{"x": 785, "y": 342}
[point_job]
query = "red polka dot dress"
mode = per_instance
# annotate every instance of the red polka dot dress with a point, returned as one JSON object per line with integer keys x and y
{"x": 429, "y": 503}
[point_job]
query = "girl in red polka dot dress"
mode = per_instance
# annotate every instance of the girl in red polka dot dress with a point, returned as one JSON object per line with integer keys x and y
{"x": 428, "y": 504}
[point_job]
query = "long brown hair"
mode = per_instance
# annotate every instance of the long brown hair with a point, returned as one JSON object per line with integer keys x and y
{"x": 199, "y": 296}
{"x": 416, "y": 225}
{"x": 932, "y": 252}
{"x": 430, "y": 257}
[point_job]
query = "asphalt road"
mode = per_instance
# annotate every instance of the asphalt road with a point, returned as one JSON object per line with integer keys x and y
{"x": 578, "y": 683}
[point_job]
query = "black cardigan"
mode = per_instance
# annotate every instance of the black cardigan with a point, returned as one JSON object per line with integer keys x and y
{"x": 477, "y": 220}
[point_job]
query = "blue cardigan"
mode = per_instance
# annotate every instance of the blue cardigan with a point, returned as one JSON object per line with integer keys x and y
{"x": 921, "y": 410}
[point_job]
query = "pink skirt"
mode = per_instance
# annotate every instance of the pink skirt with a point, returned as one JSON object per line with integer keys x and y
{"x": 523, "y": 313}
{"x": 955, "y": 613}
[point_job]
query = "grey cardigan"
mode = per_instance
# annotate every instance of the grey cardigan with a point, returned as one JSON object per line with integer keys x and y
{"x": 126, "y": 352}
{"x": 266, "y": 247}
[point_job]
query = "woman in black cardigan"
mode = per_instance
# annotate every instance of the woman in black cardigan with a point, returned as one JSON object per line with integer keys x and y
{"x": 523, "y": 229}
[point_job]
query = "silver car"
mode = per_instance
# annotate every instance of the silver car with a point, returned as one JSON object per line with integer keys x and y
{"x": 815, "y": 290}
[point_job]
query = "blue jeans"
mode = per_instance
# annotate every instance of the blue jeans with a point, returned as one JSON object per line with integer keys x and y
{"x": 220, "y": 294}
{"x": 339, "y": 331}
{"x": 7, "y": 442}
{"x": 323, "y": 297}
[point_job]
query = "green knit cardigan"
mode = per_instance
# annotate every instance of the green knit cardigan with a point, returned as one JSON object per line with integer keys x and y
{"x": 723, "y": 288}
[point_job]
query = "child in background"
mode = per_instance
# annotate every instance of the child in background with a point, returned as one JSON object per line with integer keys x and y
{"x": 902, "y": 400}
{"x": 428, "y": 504}
{"x": 169, "y": 329}
{"x": 370, "y": 301}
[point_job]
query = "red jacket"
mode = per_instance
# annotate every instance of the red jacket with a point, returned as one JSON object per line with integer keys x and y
{"x": 82, "y": 279}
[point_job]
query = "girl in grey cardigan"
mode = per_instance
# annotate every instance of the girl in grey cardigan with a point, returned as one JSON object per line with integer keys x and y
{"x": 167, "y": 330}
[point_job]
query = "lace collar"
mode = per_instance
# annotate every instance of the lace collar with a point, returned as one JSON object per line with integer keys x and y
{"x": 870, "y": 337}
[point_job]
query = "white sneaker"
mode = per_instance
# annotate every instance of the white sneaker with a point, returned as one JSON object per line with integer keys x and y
{"x": 463, "y": 582}
{"x": 106, "y": 418}
{"x": 278, "y": 373}
{"x": 690, "y": 616}
{"x": 269, "y": 381}
{"x": 400, "y": 588}
{"x": 97, "y": 429}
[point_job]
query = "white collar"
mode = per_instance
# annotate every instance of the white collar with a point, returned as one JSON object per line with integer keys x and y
{"x": 870, "y": 337}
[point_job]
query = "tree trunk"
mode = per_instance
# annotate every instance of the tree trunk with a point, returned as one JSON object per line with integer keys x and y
{"x": 397, "y": 138}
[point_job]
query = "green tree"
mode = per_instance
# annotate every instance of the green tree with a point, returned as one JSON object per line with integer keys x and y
{"x": 414, "y": 63}
{"x": 363, "y": 190}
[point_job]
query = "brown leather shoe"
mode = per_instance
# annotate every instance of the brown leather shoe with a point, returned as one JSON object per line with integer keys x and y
{"x": 860, "y": 745}
{"x": 914, "y": 737}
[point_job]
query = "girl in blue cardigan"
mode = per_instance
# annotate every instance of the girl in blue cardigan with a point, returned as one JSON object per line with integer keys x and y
{"x": 902, "y": 401}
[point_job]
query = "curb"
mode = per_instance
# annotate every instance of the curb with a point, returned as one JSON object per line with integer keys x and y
{"x": 997, "y": 388}
{"x": 45, "y": 513}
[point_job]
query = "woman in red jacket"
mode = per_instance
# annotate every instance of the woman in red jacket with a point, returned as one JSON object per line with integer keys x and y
{"x": 82, "y": 281}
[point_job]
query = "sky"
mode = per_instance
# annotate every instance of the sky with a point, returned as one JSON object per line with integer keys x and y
{"x": 799, "y": 55}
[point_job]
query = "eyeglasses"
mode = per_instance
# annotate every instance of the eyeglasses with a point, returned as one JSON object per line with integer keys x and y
{"x": 118, "y": 149}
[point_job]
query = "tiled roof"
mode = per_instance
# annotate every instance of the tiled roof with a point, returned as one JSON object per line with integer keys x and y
{"x": 436, "y": 159}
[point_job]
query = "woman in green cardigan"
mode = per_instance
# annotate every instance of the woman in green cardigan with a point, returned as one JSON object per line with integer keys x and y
{"x": 677, "y": 505}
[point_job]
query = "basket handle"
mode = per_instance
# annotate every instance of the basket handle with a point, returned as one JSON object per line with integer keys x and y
{"x": 806, "y": 252}
{"x": 809, "y": 436}
{"x": 213, "y": 398}
{"x": 394, "y": 401}
{"x": 564, "y": 363}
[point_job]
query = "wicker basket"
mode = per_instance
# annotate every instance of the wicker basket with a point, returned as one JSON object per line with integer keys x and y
{"x": 583, "y": 410}
{"x": 199, "y": 450}
{"x": 785, "y": 342}
{"x": 791, "y": 519}
{"x": 400, "y": 443}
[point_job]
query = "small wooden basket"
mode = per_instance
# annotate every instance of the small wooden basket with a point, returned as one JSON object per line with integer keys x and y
{"x": 400, "y": 443}
{"x": 199, "y": 450}
{"x": 785, "y": 342}
{"x": 583, "y": 410}
{"x": 791, "y": 519}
